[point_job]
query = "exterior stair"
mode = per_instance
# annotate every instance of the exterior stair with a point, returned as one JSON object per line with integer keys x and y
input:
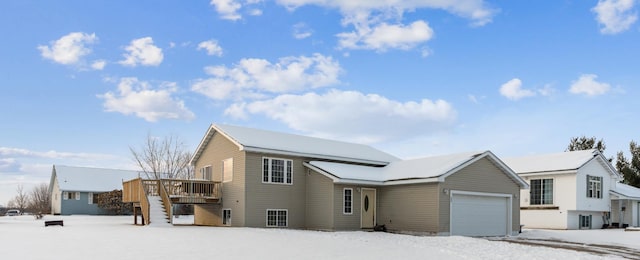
{"x": 157, "y": 212}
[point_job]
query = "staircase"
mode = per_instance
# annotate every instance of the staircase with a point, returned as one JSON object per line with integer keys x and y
{"x": 158, "y": 214}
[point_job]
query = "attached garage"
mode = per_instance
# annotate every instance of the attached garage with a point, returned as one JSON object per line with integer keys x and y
{"x": 480, "y": 214}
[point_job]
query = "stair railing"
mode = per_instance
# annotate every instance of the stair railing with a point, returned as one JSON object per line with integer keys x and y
{"x": 166, "y": 201}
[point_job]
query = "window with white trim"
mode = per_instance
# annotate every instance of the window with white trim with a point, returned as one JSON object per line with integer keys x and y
{"x": 347, "y": 201}
{"x": 276, "y": 170}
{"x": 71, "y": 195}
{"x": 206, "y": 172}
{"x": 93, "y": 198}
{"x": 226, "y": 217}
{"x": 277, "y": 218}
{"x": 227, "y": 170}
{"x": 585, "y": 222}
{"x": 594, "y": 187}
{"x": 541, "y": 192}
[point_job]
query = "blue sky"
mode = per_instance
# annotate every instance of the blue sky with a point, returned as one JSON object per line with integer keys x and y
{"x": 82, "y": 81}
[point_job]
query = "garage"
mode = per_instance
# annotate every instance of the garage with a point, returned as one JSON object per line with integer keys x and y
{"x": 475, "y": 214}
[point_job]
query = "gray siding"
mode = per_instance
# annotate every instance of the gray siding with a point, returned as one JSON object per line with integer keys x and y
{"x": 218, "y": 149}
{"x": 319, "y": 208}
{"x": 347, "y": 221}
{"x": 481, "y": 176}
{"x": 262, "y": 196}
{"x": 409, "y": 207}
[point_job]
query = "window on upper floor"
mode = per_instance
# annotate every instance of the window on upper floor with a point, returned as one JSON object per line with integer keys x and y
{"x": 276, "y": 170}
{"x": 541, "y": 192}
{"x": 206, "y": 172}
{"x": 227, "y": 170}
{"x": 594, "y": 187}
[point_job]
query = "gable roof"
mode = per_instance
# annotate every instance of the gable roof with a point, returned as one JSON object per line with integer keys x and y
{"x": 626, "y": 191}
{"x": 427, "y": 169}
{"x": 85, "y": 179}
{"x": 257, "y": 140}
{"x": 558, "y": 162}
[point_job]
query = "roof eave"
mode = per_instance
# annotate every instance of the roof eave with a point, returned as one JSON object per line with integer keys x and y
{"x": 309, "y": 155}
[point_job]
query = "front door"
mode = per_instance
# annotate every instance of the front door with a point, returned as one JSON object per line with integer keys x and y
{"x": 368, "y": 208}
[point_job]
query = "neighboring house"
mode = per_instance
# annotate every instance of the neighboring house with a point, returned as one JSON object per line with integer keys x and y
{"x": 569, "y": 190}
{"x": 625, "y": 205}
{"x": 272, "y": 179}
{"x": 74, "y": 189}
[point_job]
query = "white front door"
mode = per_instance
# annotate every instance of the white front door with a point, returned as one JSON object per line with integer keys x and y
{"x": 368, "y": 208}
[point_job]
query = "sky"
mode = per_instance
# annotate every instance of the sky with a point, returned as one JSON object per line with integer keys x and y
{"x": 83, "y": 81}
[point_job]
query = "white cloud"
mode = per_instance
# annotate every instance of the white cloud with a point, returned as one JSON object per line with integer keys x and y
{"x": 25, "y": 153}
{"x": 615, "y": 16}
{"x": 385, "y": 36}
{"x": 228, "y": 9}
{"x": 588, "y": 85}
{"x": 139, "y": 98}
{"x": 476, "y": 10}
{"x": 351, "y": 115}
{"x": 255, "y": 12}
{"x": 252, "y": 78}
{"x": 69, "y": 49}
{"x": 212, "y": 47}
{"x": 98, "y": 64}
{"x": 301, "y": 31}
{"x": 513, "y": 90}
{"x": 142, "y": 51}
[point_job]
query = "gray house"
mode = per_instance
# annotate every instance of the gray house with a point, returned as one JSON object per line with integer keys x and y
{"x": 74, "y": 189}
{"x": 271, "y": 179}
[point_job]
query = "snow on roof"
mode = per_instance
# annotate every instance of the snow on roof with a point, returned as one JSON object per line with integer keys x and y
{"x": 421, "y": 168}
{"x": 551, "y": 162}
{"x": 71, "y": 178}
{"x": 275, "y": 142}
{"x": 627, "y": 190}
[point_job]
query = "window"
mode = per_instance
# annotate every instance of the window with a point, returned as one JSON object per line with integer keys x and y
{"x": 541, "y": 192}
{"x": 348, "y": 201}
{"x": 226, "y": 217}
{"x": 227, "y": 170}
{"x": 277, "y": 170}
{"x": 594, "y": 187}
{"x": 93, "y": 198}
{"x": 585, "y": 221}
{"x": 277, "y": 218}
{"x": 71, "y": 195}
{"x": 206, "y": 172}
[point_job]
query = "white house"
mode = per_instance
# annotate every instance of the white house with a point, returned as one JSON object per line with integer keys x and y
{"x": 569, "y": 190}
{"x": 625, "y": 205}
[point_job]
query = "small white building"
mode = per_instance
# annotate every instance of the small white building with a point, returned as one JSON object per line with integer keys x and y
{"x": 625, "y": 205}
{"x": 569, "y": 190}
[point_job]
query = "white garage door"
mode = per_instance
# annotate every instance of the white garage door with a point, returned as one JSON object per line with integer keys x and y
{"x": 477, "y": 215}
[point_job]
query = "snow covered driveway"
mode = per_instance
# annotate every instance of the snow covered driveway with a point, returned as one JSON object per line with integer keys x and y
{"x": 93, "y": 237}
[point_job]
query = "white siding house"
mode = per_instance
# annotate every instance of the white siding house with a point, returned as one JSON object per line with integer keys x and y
{"x": 570, "y": 190}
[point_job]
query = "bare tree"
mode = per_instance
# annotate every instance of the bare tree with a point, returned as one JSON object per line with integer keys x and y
{"x": 166, "y": 157}
{"x": 21, "y": 200}
{"x": 40, "y": 199}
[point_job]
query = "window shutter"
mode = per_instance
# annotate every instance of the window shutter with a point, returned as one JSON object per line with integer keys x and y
{"x": 588, "y": 186}
{"x": 65, "y": 195}
{"x": 90, "y": 198}
{"x": 77, "y": 195}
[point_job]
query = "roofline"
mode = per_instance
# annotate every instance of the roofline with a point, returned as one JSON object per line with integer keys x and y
{"x": 311, "y": 155}
{"x": 214, "y": 128}
{"x": 622, "y": 196}
{"x": 523, "y": 184}
{"x": 552, "y": 172}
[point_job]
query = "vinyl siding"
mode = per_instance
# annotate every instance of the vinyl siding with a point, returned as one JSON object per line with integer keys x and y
{"x": 319, "y": 202}
{"x": 409, "y": 207}
{"x": 345, "y": 221}
{"x": 81, "y": 206}
{"x": 218, "y": 149}
{"x": 481, "y": 176}
{"x": 262, "y": 196}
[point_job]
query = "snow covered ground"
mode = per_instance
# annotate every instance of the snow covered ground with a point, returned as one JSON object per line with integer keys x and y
{"x": 108, "y": 237}
{"x": 618, "y": 236}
